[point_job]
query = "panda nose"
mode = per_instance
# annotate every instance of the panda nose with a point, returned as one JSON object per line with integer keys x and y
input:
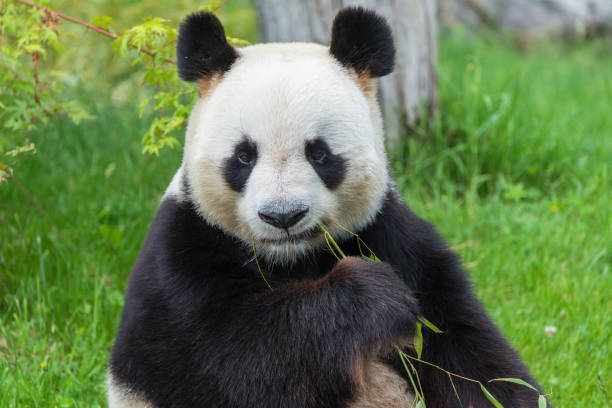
{"x": 283, "y": 219}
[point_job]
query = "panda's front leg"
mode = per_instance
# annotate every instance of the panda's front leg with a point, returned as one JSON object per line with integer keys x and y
{"x": 307, "y": 344}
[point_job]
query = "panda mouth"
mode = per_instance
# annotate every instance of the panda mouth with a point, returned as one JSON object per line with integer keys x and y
{"x": 290, "y": 238}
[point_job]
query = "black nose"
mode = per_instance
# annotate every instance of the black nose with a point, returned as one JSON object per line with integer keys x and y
{"x": 283, "y": 219}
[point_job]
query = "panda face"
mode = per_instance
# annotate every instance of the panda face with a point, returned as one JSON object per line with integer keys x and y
{"x": 283, "y": 142}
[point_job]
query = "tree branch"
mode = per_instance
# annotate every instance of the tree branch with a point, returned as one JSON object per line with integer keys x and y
{"x": 95, "y": 28}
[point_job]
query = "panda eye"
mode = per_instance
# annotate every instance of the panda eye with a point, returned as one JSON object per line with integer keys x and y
{"x": 318, "y": 156}
{"x": 244, "y": 158}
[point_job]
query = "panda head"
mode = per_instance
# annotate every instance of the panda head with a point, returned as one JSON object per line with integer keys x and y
{"x": 286, "y": 137}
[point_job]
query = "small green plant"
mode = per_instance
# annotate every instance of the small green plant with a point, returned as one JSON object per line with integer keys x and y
{"x": 31, "y": 95}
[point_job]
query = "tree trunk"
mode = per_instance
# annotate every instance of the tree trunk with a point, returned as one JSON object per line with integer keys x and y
{"x": 405, "y": 93}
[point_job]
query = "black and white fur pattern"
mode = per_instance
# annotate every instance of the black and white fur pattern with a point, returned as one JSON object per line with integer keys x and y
{"x": 295, "y": 129}
{"x": 268, "y": 98}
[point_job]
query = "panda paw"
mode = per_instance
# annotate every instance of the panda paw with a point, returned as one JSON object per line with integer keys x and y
{"x": 379, "y": 296}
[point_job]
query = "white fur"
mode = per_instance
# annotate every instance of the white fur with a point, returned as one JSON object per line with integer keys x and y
{"x": 120, "y": 396}
{"x": 280, "y": 96}
{"x": 383, "y": 388}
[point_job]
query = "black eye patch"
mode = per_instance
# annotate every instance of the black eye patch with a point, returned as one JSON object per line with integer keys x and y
{"x": 329, "y": 167}
{"x": 238, "y": 167}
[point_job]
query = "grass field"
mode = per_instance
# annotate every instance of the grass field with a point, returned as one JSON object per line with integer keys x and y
{"x": 514, "y": 170}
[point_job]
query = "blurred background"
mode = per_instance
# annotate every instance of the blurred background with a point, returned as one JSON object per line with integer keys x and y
{"x": 499, "y": 126}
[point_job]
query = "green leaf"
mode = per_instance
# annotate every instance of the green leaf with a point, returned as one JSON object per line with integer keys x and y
{"x": 102, "y": 21}
{"x": 210, "y": 7}
{"x": 490, "y": 397}
{"x": 111, "y": 234}
{"x": 405, "y": 362}
{"x": 420, "y": 404}
{"x": 516, "y": 381}
{"x": 418, "y": 340}
{"x": 450, "y": 378}
{"x": 542, "y": 402}
{"x": 429, "y": 324}
{"x": 371, "y": 258}
{"x": 330, "y": 240}
{"x": 237, "y": 42}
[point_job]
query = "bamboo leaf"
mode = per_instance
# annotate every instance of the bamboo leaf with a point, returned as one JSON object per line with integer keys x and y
{"x": 330, "y": 239}
{"x": 429, "y": 324}
{"x": 490, "y": 397}
{"x": 418, "y": 340}
{"x": 414, "y": 387}
{"x": 516, "y": 381}
{"x": 542, "y": 402}
{"x": 259, "y": 267}
{"x": 371, "y": 258}
{"x": 450, "y": 378}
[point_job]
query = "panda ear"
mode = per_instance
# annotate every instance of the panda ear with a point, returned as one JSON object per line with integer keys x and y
{"x": 361, "y": 39}
{"x": 202, "y": 49}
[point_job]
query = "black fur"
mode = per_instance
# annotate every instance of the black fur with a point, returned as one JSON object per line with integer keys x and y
{"x": 331, "y": 169}
{"x": 237, "y": 173}
{"x": 202, "y": 49}
{"x": 362, "y": 40}
{"x": 471, "y": 344}
{"x": 201, "y": 328}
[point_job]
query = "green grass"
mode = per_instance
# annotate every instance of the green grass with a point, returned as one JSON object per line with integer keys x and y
{"x": 519, "y": 184}
{"x": 61, "y": 295}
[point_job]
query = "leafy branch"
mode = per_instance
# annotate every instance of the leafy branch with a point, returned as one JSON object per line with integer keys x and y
{"x": 56, "y": 14}
{"x": 31, "y": 96}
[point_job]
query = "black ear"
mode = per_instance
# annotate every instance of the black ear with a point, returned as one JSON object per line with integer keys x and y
{"x": 202, "y": 49}
{"x": 361, "y": 39}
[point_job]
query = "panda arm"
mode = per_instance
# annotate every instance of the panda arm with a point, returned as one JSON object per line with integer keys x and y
{"x": 470, "y": 345}
{"x": 198, "y": 329}
{"x": 306, "y": 344}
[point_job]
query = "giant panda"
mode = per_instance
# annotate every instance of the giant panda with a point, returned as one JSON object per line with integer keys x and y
{"x": 237, "y": 301}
